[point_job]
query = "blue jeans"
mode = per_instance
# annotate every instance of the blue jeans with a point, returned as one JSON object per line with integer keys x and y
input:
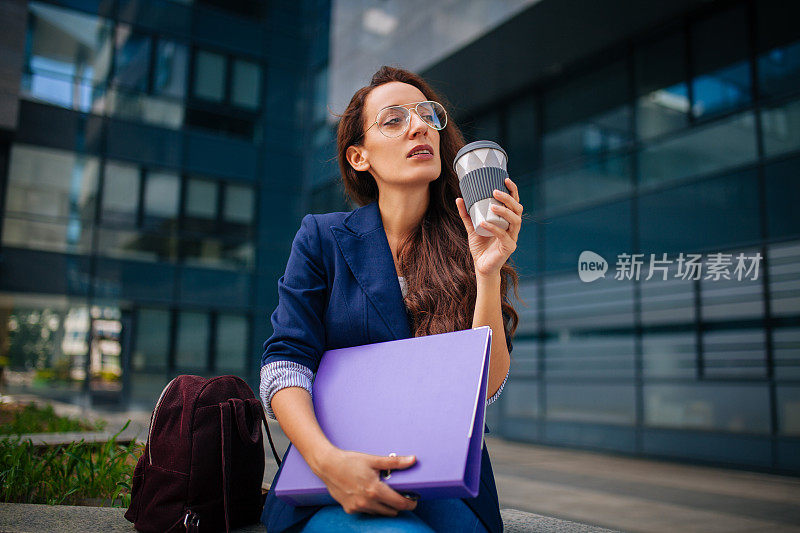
{"x": 430, "y": 515}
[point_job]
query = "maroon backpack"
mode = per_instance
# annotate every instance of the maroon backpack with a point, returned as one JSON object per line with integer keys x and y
{"x": 203, "y": 463}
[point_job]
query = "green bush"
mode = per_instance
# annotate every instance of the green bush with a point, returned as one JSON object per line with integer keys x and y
{"x": 33, "y": 419}
{"x": 67, "y": 474}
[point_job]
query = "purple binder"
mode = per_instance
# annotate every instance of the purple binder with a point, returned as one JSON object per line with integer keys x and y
{"x": 423, "y": 396}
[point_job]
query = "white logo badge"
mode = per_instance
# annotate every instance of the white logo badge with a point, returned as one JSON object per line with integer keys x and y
{"x": 591, "y": 266}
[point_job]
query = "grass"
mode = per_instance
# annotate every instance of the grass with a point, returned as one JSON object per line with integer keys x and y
{"x": 16, "y": 419}
{"x": 67, "y": 474}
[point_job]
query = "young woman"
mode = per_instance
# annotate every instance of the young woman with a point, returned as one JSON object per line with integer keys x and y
{"x": 407, "y": 263}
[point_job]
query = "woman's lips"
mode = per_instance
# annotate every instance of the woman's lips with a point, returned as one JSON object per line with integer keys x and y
{"x": 421, "y": 157}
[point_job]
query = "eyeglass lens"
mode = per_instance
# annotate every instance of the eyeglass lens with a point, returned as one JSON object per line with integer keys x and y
{"x": 393, "y": 121}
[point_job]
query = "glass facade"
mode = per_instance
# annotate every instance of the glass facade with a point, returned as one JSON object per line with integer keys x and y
{"x": 146, "y": 214}
{"x": 679, "y": 141}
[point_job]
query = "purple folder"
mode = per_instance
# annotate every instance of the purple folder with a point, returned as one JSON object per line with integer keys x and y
{"x": 423, "y": 396}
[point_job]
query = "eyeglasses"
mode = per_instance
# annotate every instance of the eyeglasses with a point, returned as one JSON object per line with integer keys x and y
{"x": 393, "y": 121}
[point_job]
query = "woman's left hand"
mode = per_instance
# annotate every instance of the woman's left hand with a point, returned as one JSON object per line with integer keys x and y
{"x": 491, "y": 253}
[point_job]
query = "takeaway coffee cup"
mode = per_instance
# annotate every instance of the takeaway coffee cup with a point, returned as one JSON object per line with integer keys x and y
{"x": 481, "y": 168}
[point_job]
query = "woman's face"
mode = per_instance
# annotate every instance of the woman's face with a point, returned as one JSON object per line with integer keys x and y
{"x": 389, "y": 159}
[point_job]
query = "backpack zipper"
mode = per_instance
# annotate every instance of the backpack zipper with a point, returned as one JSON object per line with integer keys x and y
{"x": 153, "y": 421}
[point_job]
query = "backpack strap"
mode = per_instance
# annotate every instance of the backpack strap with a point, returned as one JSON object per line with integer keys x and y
{"x": 225, "y": 438}
{"x": 258, "y": 414}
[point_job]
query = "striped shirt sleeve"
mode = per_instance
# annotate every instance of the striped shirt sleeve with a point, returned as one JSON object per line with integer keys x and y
{"x": 496, "y": 395}
{"x": 278, "y": 375}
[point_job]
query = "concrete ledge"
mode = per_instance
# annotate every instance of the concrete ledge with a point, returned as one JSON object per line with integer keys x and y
{"x": 31, "y": 518}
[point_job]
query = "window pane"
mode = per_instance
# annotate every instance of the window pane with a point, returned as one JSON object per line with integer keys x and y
{"x": 132, "y": 66}
{"x": 722, "y": 71}
{"x": 170, "y": 71}
{"x": 706, "y": 149}
{"x": 120, "y": 192}
{"x": 521, "y": 143}
{"x": 587, "y": 116}
{"x": 662, "y": 103}
{"x": 784, "y": 278}
{"x": 669, "y": 355}
{"x": 192, "y": 343}
{"x": 68, "y": 57}
{"x": 738, "y": 353}
{"x": 734, "y": 408}
{"x": 239, "y": 204}
{"x": 781, "y": 128}
{"x": 596, "y": 404}
{"x": 209, "y": 76}
{"x": 161, "y": 195}
{"x": 137, "y": 245}
{"x": 140, "y": 107}
{"x": 789, "y": 410}
{"x": 51, "y": 183}
{"x": 586, "y": 181}
{"x": 74, "y": 236}
{"x": 214, "y": 252}
{"x": 707, "y": 215}
{"x": 246, "y": 83}
{"x": 232, "y": 342}
{"x": 152, "y": 340}
{"x": 589, "y": 356}
{"x": 520, "y": 398}
{"x": 572, "y": 305}
{"x": 778, "y": 47}
{"x": 201, "y": 199}
{"x": 320, "y": 96}
{"x": 783, "y": 190}
{"x": 786, "y": 348}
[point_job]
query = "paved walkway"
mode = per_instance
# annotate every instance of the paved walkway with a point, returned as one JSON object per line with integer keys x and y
{"x": 626, "y": 494}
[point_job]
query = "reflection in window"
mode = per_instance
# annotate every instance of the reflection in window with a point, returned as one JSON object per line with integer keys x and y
{"x": 161, "y": 195}
{"x": 54, "y": 184}
{"x": 570, "y": 304}
{"x": 67, "y": 58}
{"x": 191, "y": 350}
{"x": 120, "y": 192}
{"x": 246, "y": 84}
{"x": 786, "y": 352}
{"x": 520, "y": 398}
{"x": 669, "y": 355}
{"x": 170, "y": 69}
{"x": 215, "y": 252}
{"x": 784, "y": 277}
{"x": 25, "y": 232}
{"x": 201, "y": 199}
{"x": 780, "y": 126}
{"x": 738, "y": 353}
{"x": 589, "y": 356}
{"x": 706, "y": 215}
{"x": 209, "y": 76}
{"x": 734, "y": 408}
{"x": 231, "y": 346}
{"x": 592, "y": 403}
{"x": 239, "y": 204}
{"x": 152, "y": 340}
{"x": 132, "y": 66}
{"x": 788, "y": 410}
{"x": 136, "y": 245}
{"x": 586, "y": 181}
{"x": 727, "y": 143}
{"x": 783, "y": 190}
{"x": 662, "y": 102}
{"x": 521, "y": 142}
{"x": 722, "y": 73}
{"x": 778, "y": 47}
{"x": 588, "y": 116}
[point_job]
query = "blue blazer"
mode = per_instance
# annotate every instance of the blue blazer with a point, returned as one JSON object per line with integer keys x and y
{"x": 340, "y": 289}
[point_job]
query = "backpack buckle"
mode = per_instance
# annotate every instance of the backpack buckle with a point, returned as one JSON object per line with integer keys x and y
{"x": 191, "y": 520}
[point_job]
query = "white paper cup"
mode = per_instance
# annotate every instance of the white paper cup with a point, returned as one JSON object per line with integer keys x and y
{"x": 481, "y": 168}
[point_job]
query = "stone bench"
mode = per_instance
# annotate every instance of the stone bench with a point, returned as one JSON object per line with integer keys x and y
{"x": 30, "y": 518}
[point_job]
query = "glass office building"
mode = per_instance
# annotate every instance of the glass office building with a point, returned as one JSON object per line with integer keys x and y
{"x": 152, "y": 156}
{"x": 671, "y": 132}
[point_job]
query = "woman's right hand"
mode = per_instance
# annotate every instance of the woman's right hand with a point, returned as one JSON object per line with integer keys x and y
{"x": 353, "y": 479}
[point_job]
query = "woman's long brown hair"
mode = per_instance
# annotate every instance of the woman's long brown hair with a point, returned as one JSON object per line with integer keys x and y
{"x": 435, "y": 258}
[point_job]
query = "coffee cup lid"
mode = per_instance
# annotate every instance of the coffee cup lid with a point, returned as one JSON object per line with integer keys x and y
{"x": 474, "y": 146}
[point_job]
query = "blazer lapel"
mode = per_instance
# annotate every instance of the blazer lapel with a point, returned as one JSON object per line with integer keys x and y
{"x": 363, "y": 243}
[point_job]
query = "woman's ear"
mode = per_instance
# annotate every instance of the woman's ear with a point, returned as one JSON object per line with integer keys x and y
{"x": 356, "y": 156}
